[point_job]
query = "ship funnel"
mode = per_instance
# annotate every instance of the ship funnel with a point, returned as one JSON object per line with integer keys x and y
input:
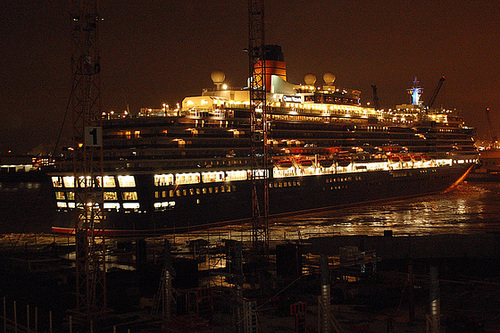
{"x": 274, "y": 64}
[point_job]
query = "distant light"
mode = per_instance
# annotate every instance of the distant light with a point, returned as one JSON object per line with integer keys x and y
{"x": 224, "y": 86}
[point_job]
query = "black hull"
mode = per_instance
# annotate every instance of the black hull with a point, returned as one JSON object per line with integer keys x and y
{"x": 286, "y": 196}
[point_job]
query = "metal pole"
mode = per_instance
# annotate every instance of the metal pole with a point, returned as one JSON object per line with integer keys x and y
{"x": 4, "y": 315}
{"x": 411, "y": 294}
{"x": 434, "y": 300}
{"x": 325, "y": 295}
{"x": 15, "y": 316}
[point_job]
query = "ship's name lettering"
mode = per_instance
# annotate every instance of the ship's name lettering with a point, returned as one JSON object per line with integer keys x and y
{"x": 292, "y": 99}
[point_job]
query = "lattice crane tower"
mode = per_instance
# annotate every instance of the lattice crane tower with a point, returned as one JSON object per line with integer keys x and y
{"x": 259, "y": 127}
{"x": 88, "y": 162}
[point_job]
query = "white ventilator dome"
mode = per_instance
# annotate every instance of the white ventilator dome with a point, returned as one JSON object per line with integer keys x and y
{"x": 329, "y": 78}
{"x": 310, "y": 79}
{"x": 218, "y": 77}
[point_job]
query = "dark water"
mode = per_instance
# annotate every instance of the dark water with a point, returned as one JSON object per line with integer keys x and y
{"x": 469, "y": 209}
{"x": 26, "y": 207}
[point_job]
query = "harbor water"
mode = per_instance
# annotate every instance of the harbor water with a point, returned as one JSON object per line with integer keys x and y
{"x": 470, "y": 208}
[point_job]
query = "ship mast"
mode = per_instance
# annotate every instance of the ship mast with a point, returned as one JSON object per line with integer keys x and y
{"x": 87, "y": 163}
{"x": 258, "y": 123}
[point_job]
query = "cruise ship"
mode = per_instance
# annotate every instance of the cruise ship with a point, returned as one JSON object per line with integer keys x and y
{"x": 171, "y": 169}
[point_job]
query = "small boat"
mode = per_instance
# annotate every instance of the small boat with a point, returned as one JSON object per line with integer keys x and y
{"x": 394, "y": 158}
{"x": 416, "y": 157}
{"x": 283, "y": 163}
{"x": 405, "y": 157}
{"x": 325, "y": 162}
{"x": 303, "y": 162}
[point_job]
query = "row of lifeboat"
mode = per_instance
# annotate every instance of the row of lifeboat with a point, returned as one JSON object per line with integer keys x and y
{"x": 342, "y": 159}
{"x": 306, "y": 161}
{"x": 396, "y": 158}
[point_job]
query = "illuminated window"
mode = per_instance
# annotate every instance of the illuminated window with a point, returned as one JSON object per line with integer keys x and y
{"x": 164, "y": 180}
{"x": 131, "y": 205}
{"x": 210, "y": 190}
{"x": 109, "y": 181}
{"x": 187, "y": 178}
{"x": 210, "y": 177}
{"x": 237, "y": 175}
{"x": 61, "y": 204}
{"x": 184, "y": 192}
{"x": 178, "y": 193}
{"x": 204, "y": 190}
{"x": 157, "y": 194}
{"x": 222, "y": 189}
{"x": 191, "y": 191}
{"x": 60, "y": 196}
{"x": 70, "y": 195}
{"x": 69, "y": 181}
{"x": 171, "y": 193}
{"x": 163, "y": 194}
{"x": 126, "y": 181}
{"x": 129, "y": 195}
{"x": 56, "y": 182}
{"x": 198, "y": 191}
{"x": 111, "y": 205}
{"x": 109, "y": 196}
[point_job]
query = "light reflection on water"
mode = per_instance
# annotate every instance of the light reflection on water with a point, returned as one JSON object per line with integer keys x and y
{"x": 470, "y": 208}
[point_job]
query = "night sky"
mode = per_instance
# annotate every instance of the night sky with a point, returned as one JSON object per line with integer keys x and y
{"x": 155, "y": 52}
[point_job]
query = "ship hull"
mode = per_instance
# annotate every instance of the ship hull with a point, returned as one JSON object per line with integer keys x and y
{"x": 202, "y": 205}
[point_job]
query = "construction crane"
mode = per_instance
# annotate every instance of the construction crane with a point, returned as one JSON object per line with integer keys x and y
{"x": 435, "y": 93}
{"x": 259, "y": 127}
{"x": 376, "y": 103}
{"x": 491, "y": 133}
{"x": 87, "y": 164}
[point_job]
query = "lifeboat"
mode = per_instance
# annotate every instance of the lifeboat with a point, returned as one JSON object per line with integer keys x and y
{"x": 303, "y": 162}
{"x": 325, "y": 162}
{"x": 416, "y": 158}
{"x": 405, "y": 158}
{"x": 426, "y": 157}
{"x": 283, "y": 163}
{"x": 343, "y": 158}
{"x": 394, "y": 159}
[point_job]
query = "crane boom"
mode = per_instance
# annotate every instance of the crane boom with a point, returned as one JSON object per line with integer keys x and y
{"x": 435, "y": 93}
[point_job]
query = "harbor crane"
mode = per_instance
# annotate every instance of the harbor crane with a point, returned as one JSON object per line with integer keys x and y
{"x": 435, "y": 93}
{"x": 89, "y": 220}
{"x": 376, "y": 103}
{"x": 259, "y": 127}
{"x": 491, "y": 133}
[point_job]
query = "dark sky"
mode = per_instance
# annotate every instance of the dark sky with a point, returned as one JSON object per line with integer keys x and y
{"x": 160, "y": 51}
